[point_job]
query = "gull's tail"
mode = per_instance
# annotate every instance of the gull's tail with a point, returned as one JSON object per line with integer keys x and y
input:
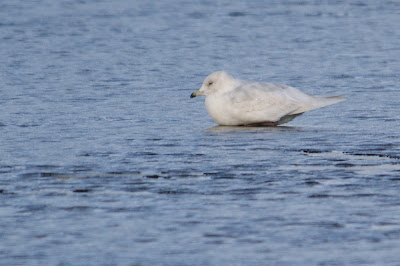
{"x": 321, "y": 101}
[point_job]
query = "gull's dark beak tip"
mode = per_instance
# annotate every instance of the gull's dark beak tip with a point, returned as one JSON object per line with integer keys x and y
{"x": 192, "y": 95}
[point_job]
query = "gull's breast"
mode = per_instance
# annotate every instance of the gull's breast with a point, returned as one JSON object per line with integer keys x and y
{"x": 221, "y": 111}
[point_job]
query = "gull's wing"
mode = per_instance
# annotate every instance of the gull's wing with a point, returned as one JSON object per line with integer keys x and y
{"x": 260, "y": 102}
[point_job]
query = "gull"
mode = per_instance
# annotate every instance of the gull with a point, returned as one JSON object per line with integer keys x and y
{"x": 234, "y": 102}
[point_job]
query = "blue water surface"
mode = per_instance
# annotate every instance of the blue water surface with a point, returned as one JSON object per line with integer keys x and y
{"x": 105, "y": 160}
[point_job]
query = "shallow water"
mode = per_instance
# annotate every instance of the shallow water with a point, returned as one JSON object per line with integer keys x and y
{"x": 104, "y": 158}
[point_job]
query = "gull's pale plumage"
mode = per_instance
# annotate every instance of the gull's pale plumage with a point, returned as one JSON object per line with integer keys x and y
{"x": 234, "y": 102}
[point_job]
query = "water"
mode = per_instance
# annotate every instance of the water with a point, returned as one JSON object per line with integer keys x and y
{"x": 104, "y": 158}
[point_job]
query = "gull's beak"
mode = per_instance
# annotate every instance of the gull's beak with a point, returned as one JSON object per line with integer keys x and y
{"x": 196, "y": 93}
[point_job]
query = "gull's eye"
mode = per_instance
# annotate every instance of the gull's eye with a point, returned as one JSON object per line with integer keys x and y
{"x": 210, "y": 83}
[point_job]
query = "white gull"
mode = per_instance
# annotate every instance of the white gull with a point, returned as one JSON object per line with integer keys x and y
{"x": 234, "y": 102}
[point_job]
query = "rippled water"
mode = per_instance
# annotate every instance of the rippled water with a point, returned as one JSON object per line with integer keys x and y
{"x": 104, "y": 158}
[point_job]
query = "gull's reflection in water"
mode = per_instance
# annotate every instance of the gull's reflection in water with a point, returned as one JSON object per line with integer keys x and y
{"x": 229, "y": 129}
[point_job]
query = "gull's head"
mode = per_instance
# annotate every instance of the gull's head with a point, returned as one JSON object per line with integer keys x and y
{"x": 214, "y": 82}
